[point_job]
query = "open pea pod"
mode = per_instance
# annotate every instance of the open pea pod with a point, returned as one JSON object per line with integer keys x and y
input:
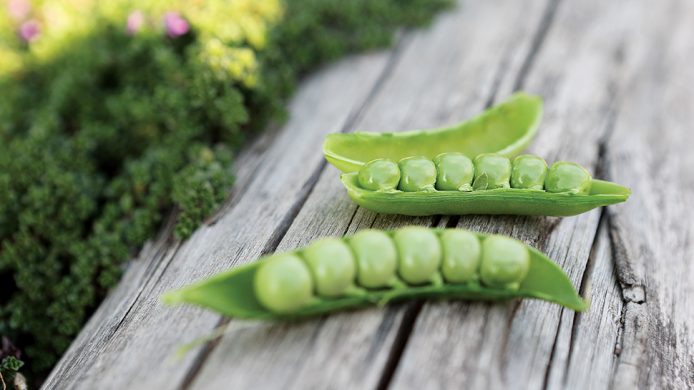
{"x": 374, "y": 267}
{"x": 505, "y": 129}
{"x": 453, "y": 184}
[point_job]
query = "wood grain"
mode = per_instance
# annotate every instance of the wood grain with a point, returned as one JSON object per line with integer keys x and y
{"x": 651, "y": 145}
{"x": 354, "y": 350}
{"x": 616, "y": 77}
{"x": 584, "y": 98}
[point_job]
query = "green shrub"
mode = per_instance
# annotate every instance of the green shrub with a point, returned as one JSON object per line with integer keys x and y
{"x": 9, "y": 363}
{"x": 105, "y": 131}
{"x": 9, "y": 367}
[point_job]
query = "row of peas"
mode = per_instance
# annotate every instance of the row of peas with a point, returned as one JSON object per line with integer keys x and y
{"x": 457, "y": 172}
{"x": 374, "y": 259}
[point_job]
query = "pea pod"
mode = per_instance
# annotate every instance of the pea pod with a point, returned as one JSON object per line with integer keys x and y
{"x": 524, "y": 187}
{"x": 417, "y": 262}
{"x": 504, "y": 129}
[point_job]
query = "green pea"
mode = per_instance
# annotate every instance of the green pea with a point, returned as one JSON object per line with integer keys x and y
{"x": 283, "y": 283}
{"x": 418, "y": 174}
{"x": 379, "y": 175}
{"x": 461, "y": 255}
{"x": 455, "y": 172}
{"x": 568, "y": 177}
{"x": 491, "y": 171}
{"x": 505, "y": 262}
{"x": 377, "y": 258}
{"x": 332, "y": 265}
{"x": 529, "y": 172}
{"x": 419, "y": 250}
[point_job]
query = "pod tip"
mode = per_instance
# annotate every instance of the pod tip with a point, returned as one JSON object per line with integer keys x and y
{"x": 172, "y": 297}
{"x": 583, "y": 306}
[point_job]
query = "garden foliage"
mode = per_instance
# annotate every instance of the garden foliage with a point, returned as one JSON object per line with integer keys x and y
{"x": 115, "y": 114}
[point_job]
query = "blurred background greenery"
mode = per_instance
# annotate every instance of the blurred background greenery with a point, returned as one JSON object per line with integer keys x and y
{"x": 116, "y": 114}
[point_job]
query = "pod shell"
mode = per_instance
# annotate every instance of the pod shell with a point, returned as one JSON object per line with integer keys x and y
{"x": 231, "y": 293}
{"x": 506, "y": 129}
{"x": 505, "y": 201}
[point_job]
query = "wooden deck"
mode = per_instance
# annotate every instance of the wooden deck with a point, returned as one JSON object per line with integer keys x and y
{"x": 618, "y": 82}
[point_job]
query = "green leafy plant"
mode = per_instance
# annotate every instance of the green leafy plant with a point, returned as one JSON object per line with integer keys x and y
{"x": 9, "y": 367}
{"x": 121, "y": 112}
{"x": 9, "y": 364}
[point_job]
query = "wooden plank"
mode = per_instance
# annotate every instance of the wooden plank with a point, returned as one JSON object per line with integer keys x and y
{"x": 427, "y": 86}
{"x": 131, "y": 346}
{"x": 618, "y": 54}
{"x": 650, "y": 150}
{"x": 520, "y": 344}
{"x": 591, "y": 357}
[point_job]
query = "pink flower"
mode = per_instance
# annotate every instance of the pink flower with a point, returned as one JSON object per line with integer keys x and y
{"x": 136, "y": 20}
{"x": 19, "y": 9}
{"x": 30, "y": 30}
{"x": 175, "y": 24}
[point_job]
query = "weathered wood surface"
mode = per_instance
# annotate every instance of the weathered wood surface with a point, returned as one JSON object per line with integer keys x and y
{"x": 617, "y": 80}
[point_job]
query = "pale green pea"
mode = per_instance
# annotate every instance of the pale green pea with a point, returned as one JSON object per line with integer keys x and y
{"x": 529, "y": 172}
{"x": 568, "y": 177}
{"x": 505, "y": 262}
{"x": 377, "y": 258}
{"x": 455, "y": 172}
{"x": 461, "y": 255}
{"x": 379, "y": 175}
{"x": 419, "y": 251}
{"x": 332, "y": 264}
{"x": 491, "y": 171}
{"x": 417, "y": 174}
{"x": 283, "y": 283}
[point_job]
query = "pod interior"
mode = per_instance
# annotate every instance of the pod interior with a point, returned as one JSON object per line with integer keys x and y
{"x": 506, "y": 129}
